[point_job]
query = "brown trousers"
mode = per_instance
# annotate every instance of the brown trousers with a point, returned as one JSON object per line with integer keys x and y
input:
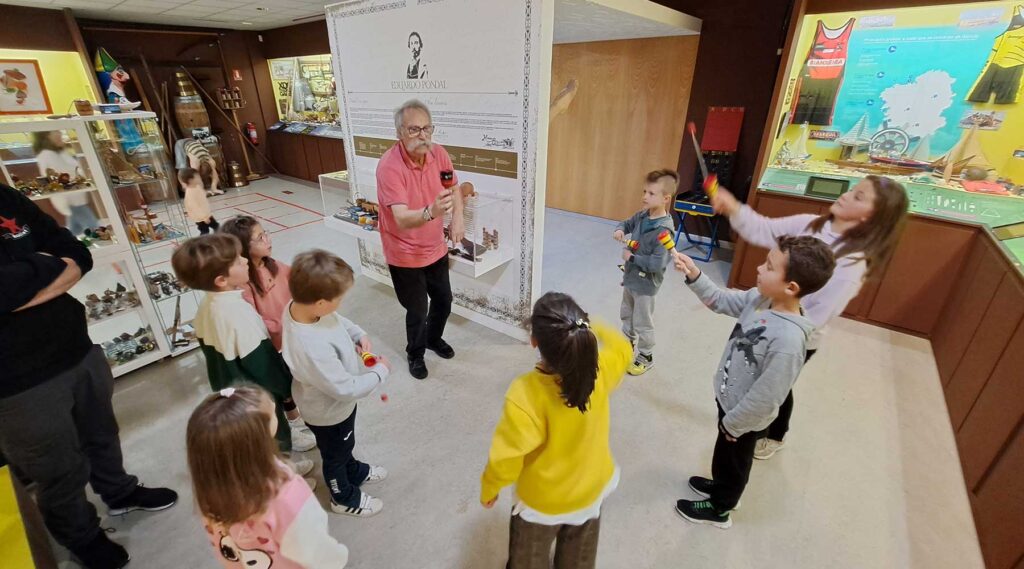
{"x": 529, "y": 545}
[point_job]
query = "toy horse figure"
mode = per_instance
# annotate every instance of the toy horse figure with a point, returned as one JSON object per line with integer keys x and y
{"x": 112, "y": 79}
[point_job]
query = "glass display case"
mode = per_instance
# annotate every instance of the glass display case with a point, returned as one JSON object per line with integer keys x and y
{"x": 905, "y": 93}
{"x": 107, "y": 178}
{"x": 304, "y": 89}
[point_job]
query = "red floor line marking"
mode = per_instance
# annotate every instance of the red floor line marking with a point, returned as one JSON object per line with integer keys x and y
{"x": 261, "y": 217}
{"x": 226, "y": 203}
{"x": 295, "y": 226}
{"x": 291, "y": 204}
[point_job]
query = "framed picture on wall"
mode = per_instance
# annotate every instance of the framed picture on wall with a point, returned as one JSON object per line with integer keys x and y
{"x": 282, "y": 69}
{"x": 22, "y": 91}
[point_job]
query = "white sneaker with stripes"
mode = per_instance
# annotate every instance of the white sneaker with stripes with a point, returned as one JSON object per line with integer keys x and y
{"x": 377, "y": 474}
{"x": 368, "y": 506}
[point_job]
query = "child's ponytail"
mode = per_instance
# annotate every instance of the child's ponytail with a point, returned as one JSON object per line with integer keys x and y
{"x": 569, "y": 347}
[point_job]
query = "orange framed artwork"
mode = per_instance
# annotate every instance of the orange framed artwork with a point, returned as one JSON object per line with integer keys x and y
{"x": 22, "y": 91}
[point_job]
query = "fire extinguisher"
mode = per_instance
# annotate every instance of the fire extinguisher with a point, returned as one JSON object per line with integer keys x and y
{"x": 250, "y": 131}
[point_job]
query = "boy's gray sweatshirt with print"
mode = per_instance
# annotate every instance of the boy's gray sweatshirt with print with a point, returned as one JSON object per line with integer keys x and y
{"x": 762, "y": 358}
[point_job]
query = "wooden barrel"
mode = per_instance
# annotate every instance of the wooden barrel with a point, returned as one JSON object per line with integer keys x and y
{"x": 191, "y": 114}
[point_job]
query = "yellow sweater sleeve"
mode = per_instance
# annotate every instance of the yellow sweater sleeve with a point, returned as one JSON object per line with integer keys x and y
{"x": 615, "y": 354}
{"x": 517, "y": 435}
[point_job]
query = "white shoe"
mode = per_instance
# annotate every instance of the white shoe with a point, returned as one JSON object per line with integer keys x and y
{"x": 377, "y": 474}
{"x": 302, "y": 466}
{"x": 767, "y": 447}
{"x": 311, "y": 482}
{"x": 368, "y": 506}
{"x": 301, "y": 440}
{"x": 300, "y": 425}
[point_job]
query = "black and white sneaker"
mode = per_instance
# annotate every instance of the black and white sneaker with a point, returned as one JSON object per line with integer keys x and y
{"x": 703, "y": 512}
{"x": 142, "y": 498}
{"x": 368, "y": 506}
{"x": 703, "y": 487}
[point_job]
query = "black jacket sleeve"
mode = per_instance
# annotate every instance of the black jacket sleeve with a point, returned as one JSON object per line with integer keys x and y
{"x": 49, "y": 236}
{"x": 22, "y": 276}
{"x": 21, "y": 280}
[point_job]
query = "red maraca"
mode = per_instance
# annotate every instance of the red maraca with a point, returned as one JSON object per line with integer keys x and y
{"x": 370, "y": 360}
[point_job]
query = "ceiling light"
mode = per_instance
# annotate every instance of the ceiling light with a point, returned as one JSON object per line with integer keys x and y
{"x": 260, "y": 9}
{"x": 246, "y": 23}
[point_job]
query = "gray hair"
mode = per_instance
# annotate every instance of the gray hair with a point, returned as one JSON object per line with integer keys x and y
{"x": 410, "y": 104}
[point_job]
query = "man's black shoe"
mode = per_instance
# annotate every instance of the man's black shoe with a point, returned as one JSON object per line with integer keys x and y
{"x": 441, "y": 348}
{"x": 418, "y": 368}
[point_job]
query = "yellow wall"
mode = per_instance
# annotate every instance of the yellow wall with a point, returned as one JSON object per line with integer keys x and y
{"x": 998, "y": 145}
{"x": 63, "y": 76}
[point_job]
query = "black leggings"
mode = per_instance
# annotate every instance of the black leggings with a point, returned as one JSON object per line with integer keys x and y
{"x": 780, "y": 426}
{"x": 207, "y": 226}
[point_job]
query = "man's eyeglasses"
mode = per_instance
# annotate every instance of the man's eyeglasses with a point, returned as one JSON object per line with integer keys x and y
{"x": 416, "y": 130}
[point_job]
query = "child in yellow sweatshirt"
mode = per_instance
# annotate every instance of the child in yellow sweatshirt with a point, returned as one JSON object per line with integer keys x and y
{"x": 552, "y": 439}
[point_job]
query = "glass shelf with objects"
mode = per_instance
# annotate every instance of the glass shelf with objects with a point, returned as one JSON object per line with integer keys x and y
{"x": 865, "y": 95}
{"x": 145, "y": 188}
{"x": 47, "y": 165}
{"x": 304, "y": 89}
{"x": 122, "y": 205}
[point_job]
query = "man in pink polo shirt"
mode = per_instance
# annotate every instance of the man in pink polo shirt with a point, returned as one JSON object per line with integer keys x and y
{"x": 413, "y": 204}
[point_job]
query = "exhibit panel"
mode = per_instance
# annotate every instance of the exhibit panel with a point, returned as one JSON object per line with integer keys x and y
{"x": 929, "y": 96}
{"x": 486, "y": 90}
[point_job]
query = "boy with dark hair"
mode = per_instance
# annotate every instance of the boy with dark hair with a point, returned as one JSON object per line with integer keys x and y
{"x": 761, "y": 361}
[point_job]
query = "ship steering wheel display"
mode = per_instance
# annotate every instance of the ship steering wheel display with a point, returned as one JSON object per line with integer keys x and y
{"x": 891, "y": 142}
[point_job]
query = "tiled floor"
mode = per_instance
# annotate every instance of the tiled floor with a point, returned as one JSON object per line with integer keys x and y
{"x": 870, "y": 477}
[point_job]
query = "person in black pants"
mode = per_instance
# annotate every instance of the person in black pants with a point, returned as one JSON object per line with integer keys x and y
{"x": 771, "y": 438}
{"x": 415, "y": 183}
{"x": 57, "y": 424}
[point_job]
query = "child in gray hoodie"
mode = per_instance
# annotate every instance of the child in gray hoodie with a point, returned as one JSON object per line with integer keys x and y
{"x": 645, "y": 262}
{"x": 761, "y": 361}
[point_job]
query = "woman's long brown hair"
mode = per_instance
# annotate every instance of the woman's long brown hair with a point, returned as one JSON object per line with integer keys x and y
{"x": 242, "y": 227}
{"x": 233, "y": 457}
{"x": 874, "y": 239}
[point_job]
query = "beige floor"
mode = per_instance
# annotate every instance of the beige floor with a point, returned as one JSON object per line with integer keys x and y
{"x": 869, "y": 479}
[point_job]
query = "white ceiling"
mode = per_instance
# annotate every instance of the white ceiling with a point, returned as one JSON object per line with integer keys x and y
{"x": 579, "y": 21}
{"x": 575, "y": 20}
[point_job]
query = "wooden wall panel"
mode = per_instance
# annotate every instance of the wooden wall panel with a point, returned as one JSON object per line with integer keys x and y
{"x": 626, "y": 120}
{"x": 332, "y": 154}
{"x": 921, "y": 274}
{"x": 999, "y": 507}
{"x": 986, "y": 347}
{"x": 772, "y": 206}
{"x": 311, "y": 152}
{"x": 995, "y": 414}
{"x": 963, "y": 313}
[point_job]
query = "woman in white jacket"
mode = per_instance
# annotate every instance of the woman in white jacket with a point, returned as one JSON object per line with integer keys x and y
{"x": 862, "y": 228}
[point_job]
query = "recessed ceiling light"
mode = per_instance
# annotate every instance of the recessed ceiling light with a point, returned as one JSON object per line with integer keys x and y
{"x": 246, "y": 23}
{"x": 260, "y": 9}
